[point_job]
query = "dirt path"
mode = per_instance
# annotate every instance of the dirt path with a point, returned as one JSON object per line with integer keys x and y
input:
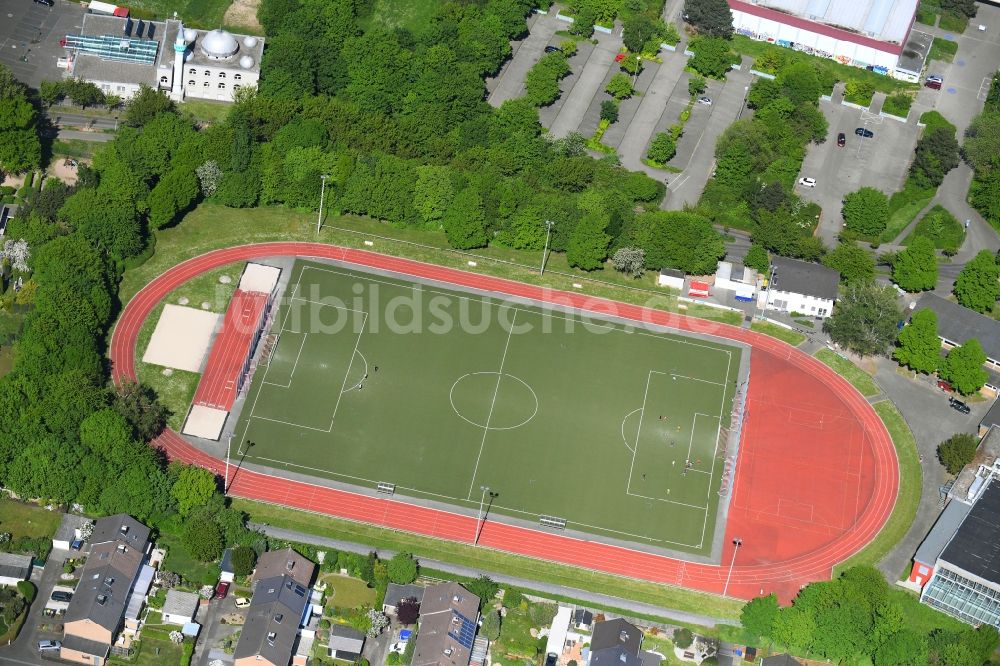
{"x": 243, "y": 14}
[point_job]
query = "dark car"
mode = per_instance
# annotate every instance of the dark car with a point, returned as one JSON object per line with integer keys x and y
{"x": 934, "y": 82}
{"x": 551, "y": 49}
{"x": 866, "y": 133}
{"x": 60, "y": 595}
{"x": 221, "y": 590}
{"x": 841, "y": 139}
{"x": 958, "y": 405}
{"x": 551, "y": 658}
{"x": 47, "y": 3}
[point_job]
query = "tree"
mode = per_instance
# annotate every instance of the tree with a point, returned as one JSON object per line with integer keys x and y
{"x": 620, "y": 86}
{"x": 378, "y": 622}
{"x": 852, "y": 262}
{"x": 757, "y": 259}
{"x": 936, "y": 154}
{"x": 683, "y": 638}
{"x": 662, "y": 149}
{"x": 712, "y": 57}
{"x": 903, "y": 647}
{"x": 588, "y": 244}
{"x": 84, "y": 93}
{"x": 465, "y": 221}
{"x": 175, "y": 192}
{"x": 137, "y": 404}
{"x": 978, "y": 285}
{"x": 696, "y": 85}
{"x": 483, "y": 587}
{"x": 209, "y": 175}
{"x": 981, "y": 148}
{"x": 433, "y": 192}
{"x": 919, "y": 347}
{"x": 915, "y": 268}
{"x": 963, "y": 367}
{"x": 957, "y": 451}
{"x": 27, "y": 590}
{"x": 609, "y": 111}
{"x": 866, "y": 211}
{"x": 193, "y": 488}
{"x": 865, "y": 318}
{"x": 408, "y": 611}
{"x": 491, "y": 624}
{"x": 20, "y": 148}
{"x": 799, "y": 83}
{"x": 51, "y": 92}
{"x": 542, "y": 82}
{"x": 709, "y": 17}
{"x": 402, "y": 569}
{"x": 629, "y": 260}
{"x": 680, "y": 239}
{"x": 243, "y": 560}
{"x": 145, "y": 105}
{"x": 759, "y": 615}
{"x": 203, "y": 539}
{"x": 637, "y": 30}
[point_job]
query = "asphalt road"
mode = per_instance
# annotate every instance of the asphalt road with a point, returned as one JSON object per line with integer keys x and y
{"x": 510, "y": 82}
{"x": 585, "y": 86}
{"x": 24, "y": 649}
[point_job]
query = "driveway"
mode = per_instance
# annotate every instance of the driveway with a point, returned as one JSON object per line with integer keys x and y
{"x": 685, "y": 189}
{"x": 510, "y": 82}
{"x": 25, "y": 647}
{"x": 212, "y": 631}
{"x": 881, "y": 161}
{"x": 30, "y": 34}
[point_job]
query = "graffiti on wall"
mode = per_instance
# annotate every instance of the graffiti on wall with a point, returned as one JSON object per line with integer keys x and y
{"x": 805, "y": 48}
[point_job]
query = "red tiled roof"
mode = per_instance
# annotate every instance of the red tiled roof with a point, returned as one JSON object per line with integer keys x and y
{"x": 813, "y": 26}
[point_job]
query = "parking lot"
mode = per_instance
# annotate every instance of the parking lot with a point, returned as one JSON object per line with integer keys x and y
{"x": 30, "y": 34}
{"x": 880, "y": 161}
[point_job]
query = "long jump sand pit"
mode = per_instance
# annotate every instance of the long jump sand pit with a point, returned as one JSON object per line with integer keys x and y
{"x": 182, "y": 338}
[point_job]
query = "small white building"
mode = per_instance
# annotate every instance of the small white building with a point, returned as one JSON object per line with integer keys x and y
{"x": 800, "y": 286}
{"x": 70, "y": 529}
{"x": 738, "y": 278}
{"x": 672, "y": 278}
{"x": 180, "y": 607}
{"x": 558, "y": 631}
{"x": 14, "y": 568}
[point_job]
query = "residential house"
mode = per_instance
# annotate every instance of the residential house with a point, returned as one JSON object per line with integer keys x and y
{"x": 800, "y": 286}
{"x": 14, "y": 568}
{"x": 395, "y": 593}
{"x": 180, "y": 607}
{"x": 285, "y": 562}
{"x": 279, "y": 608}
{"x": 114, "y": 570}
{"x": 449, "y": 616}
{"x": 957, "y": 325}
{"x": 617, "y": 642}
{"x": 346, "y": 642}
{"x": 70, "y": 530}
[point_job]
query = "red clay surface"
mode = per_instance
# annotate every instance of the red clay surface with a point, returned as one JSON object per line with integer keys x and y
{"x": 816, "y": 478}
{"x": 218, "y": 385}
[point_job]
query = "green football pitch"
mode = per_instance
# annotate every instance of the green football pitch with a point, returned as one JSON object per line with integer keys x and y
{"x": 618, "y": 430}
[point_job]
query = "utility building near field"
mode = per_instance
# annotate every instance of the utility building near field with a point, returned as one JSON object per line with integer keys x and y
{"x": 873, "y": 34}
{"x": 120, "y": 54}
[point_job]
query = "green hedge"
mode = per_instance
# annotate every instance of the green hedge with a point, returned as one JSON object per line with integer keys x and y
{"x": 898, "y": 105}
{"x": 953, "y": 22}
{"x": 941, "y": 227}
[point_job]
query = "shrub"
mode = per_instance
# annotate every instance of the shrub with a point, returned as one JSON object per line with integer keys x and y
{"x": 402, "y": 569}
{"x": 392, "y": 659}
{"x": 683, "y": 638}
{"x": 243, "y": 560}
{"x": 898, "y": 105}
{"x": 27, "y": 590}
{"x": 609, "y": 111}
{"x": 512, "y": 597}
{"x": 957, "y": 451}
{"x": 662, "y": 149}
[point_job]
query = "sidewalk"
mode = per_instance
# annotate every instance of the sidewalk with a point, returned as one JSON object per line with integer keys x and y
{"x": 600, "y": 600}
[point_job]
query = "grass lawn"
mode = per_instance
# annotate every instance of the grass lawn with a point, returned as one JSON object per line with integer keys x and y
{"x": 793, "y": 338}
{"x": 410, "y": 14}
{"x": 909, "y": 490}
{"x": 860, "y": 379}
{"x": 953, "y": 22}
{"x": 900, "y": 218}
{"x": 490, "y": 560}
{"x": 941, "y": 227}
{"x": 74, "y": 148}
{"x": 27, "y": 520}
{"x": 347, "y": 592}
{"x": 177, "y": 390}
{"x": 153, "y": 651}
{"x": 205, "y": 110}
{"x": 497, "y": 403}
{"x": 204, "y": 14}
{"x": 210, "y": 227}
{"x": 180, "y": 561}
{"x": 898, "y": 105}
{"x": 943, "y": 49}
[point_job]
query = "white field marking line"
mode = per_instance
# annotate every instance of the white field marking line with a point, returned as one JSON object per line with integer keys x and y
{"x": 325, "y": 305}
{"x": 451, "y": 399}
{"x": 662, "y": 499}
{"x": 365, "y": 373}
{"x": 638, "y": 432}
{"x": 715, "y": 449}
{"x": 496, "y": 392}
{"x": 668, "y": 334}
{"x": 347, "y": 374}
{"x": 294, "y": 366}
{"x": 694, "y": 379}
{"x": 625, "y": 439}
{"x": 694, "y": 425}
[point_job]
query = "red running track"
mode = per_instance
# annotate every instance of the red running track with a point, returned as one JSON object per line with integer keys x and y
{"x": 244, "y": 317}
{"x": 816, "y": 479}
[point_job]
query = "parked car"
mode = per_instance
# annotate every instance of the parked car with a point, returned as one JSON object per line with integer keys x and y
{"x": 47, "y": 3}
{"x": 944, "y": 386}
{"x": 44, "y": 646}
{"x": 866, "y": 133}
{"x": 933, "y": 81}
{"x": 707, "y": 101}
{"x": 551, "y": 49}
{"x": 807, "y": 182}
{"x": 61, "y": 595}
{"x": 221, "y": 590}
{"x": 242, "y": 602}
{"x": 841, "y": 139}
{"x": 959, "y": 406}
{"x": 551, "y": 658}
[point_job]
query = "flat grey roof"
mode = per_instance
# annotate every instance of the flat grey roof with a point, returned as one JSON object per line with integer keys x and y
{"x": 915, "y": 50}
{"x": 803, "y": 277}
{"x": 939, "y": 536}
{"x": 975, "y": 548}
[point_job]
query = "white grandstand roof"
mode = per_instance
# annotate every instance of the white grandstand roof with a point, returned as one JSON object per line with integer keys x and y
{"x": 884, "y": 20}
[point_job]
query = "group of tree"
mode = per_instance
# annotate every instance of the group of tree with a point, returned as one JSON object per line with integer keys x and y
{"x": 981, "y": 150}
{"x": 857, "y": 616}
{"x": 709, "y": 17}
{"x": 936, "y": 154}
{"x": 978, "y": 285}
{"x": 20, "y": 148}
{"x": 866, "y": 212}
{"x": 865, "y": 318}
{"x": 79, "y": 92}
{"x": 919, "y": 348}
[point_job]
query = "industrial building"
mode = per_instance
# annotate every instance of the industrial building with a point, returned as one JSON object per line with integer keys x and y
{"x": 872, "y": 34}
{"x": 120, "y": 54}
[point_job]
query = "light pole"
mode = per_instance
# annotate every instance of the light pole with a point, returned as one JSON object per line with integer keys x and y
{"x": 736, "y": 542}
{"x": 322, "y": 191}
{"x": 480, "y": 518}
{"x": 225, "y": 482}
{"x": 545, "y": 252}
